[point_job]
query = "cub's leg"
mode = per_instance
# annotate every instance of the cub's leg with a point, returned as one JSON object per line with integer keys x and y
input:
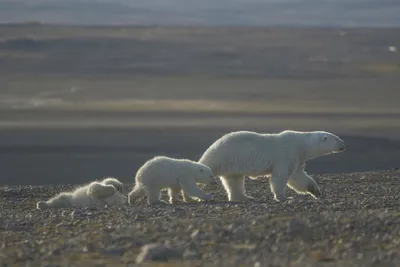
{"x": 173, "y": 193}
{"x": 187, "y": 198}
{"x": 190, "y": 187}
{"x": 153, "y": 196}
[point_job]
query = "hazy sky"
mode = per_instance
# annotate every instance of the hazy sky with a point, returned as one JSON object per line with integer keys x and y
{"x": 206, "y": 12}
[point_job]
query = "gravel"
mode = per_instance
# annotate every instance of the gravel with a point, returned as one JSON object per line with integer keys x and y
{"x": 355, "y": 223}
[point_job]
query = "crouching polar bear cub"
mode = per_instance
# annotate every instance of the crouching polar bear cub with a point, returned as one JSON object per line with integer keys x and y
{"x": 281, "y": 156}
{"x": 176, "y": 175}
{"x": 106, "y": 192}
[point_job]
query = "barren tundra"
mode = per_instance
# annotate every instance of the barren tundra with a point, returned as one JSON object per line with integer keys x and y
{"x": 355, "y": 223}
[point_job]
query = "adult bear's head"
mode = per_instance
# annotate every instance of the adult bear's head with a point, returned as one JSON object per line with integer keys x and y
{"x": 324, "y": 143}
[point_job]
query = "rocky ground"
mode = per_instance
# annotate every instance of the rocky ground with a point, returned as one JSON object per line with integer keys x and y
{"x": 356, "y": 223}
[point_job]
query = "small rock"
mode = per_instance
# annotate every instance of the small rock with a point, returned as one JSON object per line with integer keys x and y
{"x": 157, "y": 252}
{"x": 240, "y": 232}
{"x": 175, "y": 210}
{"x": 75, "y": 214}
{"x": 115, "y": 251}
{"x": 195, "y": 234}
{"x": 299, "y": 228}
{"x": 321, "y": 256}
{"x": 88, "y": 248}
{"x": 191, "y": 254}
{"x": 55, "y": 251}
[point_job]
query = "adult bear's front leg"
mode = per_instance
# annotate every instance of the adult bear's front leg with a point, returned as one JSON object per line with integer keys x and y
{"x": 235, "y": 188}
{"x": 279, "y": 179}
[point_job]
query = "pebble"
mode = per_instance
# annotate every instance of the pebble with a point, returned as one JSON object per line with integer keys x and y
{"x": 157, "y": 252}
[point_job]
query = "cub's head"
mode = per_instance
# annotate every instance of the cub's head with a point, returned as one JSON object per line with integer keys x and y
{"x": 114, "y": 182}
{"x": 203, "y": 174}
{"x": 326, "y": 143}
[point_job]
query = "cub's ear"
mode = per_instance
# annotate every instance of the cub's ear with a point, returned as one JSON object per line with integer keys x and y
{"x": 99, "y": 190}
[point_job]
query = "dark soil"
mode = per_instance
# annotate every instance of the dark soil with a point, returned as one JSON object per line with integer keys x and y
{"x": 355, "y": 223}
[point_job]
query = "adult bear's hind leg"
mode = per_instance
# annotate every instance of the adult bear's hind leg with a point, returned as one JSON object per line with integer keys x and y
{"x": 304, "y": 184}
{"x": 235, "y": 188}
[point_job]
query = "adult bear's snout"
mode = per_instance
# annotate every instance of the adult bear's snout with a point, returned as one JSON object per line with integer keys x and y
{"x": 341, "y": 146}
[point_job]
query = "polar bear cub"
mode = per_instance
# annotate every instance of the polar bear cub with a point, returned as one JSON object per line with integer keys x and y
{"x": 176, "y": 175}
{"x": 280, "y": 156}
{"x": 98, "y": 193}
{"x": 114, "y": 182}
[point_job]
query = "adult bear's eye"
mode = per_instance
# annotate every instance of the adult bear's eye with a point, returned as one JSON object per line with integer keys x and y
{"x": 325, "y": 138}
{"x": 201, "y": 170}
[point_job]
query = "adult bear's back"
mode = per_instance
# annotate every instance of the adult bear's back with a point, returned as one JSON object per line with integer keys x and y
{"x": 237, "y": 151}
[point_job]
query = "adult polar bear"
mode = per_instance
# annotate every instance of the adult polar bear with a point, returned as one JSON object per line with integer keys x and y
{"x": 280, "y": 155}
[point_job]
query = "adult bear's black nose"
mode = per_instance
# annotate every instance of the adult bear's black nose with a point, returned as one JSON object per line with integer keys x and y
{"x": 342, "y": 146}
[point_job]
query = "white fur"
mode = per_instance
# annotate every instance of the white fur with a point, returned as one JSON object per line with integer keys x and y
{"x": 94, "y": 194}
{"x": 177, "y": 175}
{"x": 114, "y": 182}
{"x": 281, "y": 156}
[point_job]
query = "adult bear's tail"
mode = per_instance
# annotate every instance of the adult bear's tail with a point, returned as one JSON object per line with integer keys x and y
{"x": 136, "y": 193}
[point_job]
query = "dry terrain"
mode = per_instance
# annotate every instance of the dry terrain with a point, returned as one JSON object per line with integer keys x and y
{"x": 355, "y": 223}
